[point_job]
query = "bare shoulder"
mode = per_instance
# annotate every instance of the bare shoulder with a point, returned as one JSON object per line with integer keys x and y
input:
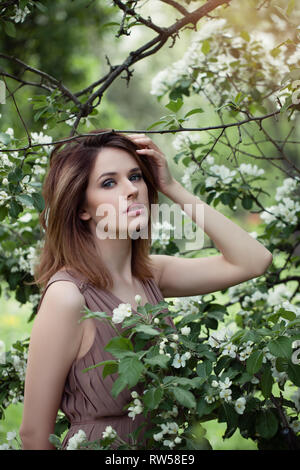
{"x": 63, "y": 295}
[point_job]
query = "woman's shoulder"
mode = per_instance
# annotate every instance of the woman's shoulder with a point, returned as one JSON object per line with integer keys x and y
{"x": 60, "y": 290}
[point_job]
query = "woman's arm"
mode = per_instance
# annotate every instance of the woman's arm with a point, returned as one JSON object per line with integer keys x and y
{"x": 236, "y": 245}
{"x": 242, "y": 257}
{"x": 55, "y": 341}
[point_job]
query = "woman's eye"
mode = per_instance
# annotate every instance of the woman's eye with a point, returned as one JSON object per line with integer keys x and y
{"x": 106, "y": 183}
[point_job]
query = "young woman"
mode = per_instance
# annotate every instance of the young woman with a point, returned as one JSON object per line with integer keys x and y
{"x": 88, "y": 191}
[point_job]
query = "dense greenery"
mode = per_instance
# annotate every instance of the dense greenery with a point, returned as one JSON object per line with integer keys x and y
{"x": 234, "y": 93}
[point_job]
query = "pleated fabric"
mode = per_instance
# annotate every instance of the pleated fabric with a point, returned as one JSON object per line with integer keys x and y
{"x": 86, "y": 400}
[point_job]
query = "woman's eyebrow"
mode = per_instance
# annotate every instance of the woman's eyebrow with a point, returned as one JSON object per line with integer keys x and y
{"x": 113, "y": 173}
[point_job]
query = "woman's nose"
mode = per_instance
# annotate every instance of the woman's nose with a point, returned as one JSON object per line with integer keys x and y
{"x": 130, "y": 188}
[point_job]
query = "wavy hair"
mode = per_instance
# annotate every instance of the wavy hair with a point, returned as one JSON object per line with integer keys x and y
{"x": 68, "y": 241}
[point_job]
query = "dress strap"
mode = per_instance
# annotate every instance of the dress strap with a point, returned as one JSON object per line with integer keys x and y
{"x": 80, "y": 282}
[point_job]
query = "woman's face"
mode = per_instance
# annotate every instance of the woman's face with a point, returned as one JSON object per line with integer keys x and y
{"x": 109, "y": 195}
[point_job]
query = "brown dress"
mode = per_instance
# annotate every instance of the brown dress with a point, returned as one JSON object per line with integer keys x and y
{"x": 86, "y": 400}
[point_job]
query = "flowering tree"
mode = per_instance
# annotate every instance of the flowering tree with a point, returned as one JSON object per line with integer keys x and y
{"x": 236, "y": 362}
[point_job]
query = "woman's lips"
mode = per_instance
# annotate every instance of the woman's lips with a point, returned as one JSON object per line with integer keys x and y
{"x": 135, "y": 208}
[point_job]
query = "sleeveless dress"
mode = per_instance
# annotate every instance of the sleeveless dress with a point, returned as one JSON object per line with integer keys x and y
{"x": 86, "y": 400}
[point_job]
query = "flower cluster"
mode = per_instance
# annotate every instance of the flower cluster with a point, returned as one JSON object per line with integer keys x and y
{"x": 12, "y": 443}
{"x": 162, "y": 233}
{"x": 285, "y": 212}
{"x": 137, "y": 407}
{"x": 173, "y": 430}
{"x": 75, "y": 441}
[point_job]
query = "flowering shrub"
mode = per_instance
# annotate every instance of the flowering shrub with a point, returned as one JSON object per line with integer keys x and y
{"x": 238, "y": 362}
{"x": 196, "y": 372}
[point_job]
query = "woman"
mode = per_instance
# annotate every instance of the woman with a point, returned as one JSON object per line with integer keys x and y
{"x": 88, "y": 183}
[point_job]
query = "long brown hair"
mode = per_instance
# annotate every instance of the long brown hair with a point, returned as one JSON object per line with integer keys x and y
{"x": 68, "y": 240}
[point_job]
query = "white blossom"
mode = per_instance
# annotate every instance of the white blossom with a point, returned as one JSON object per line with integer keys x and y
{"x": 121, "y": 312}
{"x": 136, "y": 409}
{"x": 178, "y": 361}
{"x": 240, "y": 405}
{"x": 109, "y": 432}
{"x": 75, "y": 441}
{"x": 226, "y": 394}
{"x": 185, "y": 330}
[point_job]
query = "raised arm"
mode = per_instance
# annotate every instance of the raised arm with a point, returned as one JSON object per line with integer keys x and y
{"x": 55, "y": 340}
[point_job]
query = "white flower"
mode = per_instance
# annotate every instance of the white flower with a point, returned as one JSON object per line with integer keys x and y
{"x": 134, "y": 394}
{"x": 75, "y": 441}
{"x": 185, "y": 330}
{"x": 215, "y": 383}
{"x": 187, "y": 355}
{"x": 156, "y": 321}
{"x": 295, "y": 425}
{"x": 109, "y": 432}
{"x": 4, "y": 447}
{"x": 121, "y": 312}
{"x": 136, "y": 409}
{"x": 169, "y": 444}
{"x": 226, "y": 394}
{"x": 240, "y": 405}
{"x": 229, "y": 350}
{"x": 209, "y": 398}
{"x": 158, "y": 437}
{"x": 226, "y": 384}
{"x": 177, "y": 440}
{"x": 11, "y": 436}
{"x": 138, "y": 299}
{"x": 175, "y": 337}
{"x": 178, "y": 361}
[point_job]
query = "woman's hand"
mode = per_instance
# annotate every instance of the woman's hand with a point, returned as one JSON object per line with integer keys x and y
{"x": 157, "y": 159}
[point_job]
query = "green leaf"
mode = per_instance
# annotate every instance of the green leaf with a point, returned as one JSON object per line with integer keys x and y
{"x": 266, "y": 424}
{"x": 175, "y": 105}
{"x": 153, "y": 397}
{"x": 247, "y": 202}
{"x": 14, "y": 209}
{"x": 204, "y": 369}
{"x": 245, "y": 35}
{"x": 280, "y": 347}
{"x": 204, "y": 408}
{"x": 184, "y": 397}
{"x": 205, "y": 46}
{"x": 194, "y": 111}
{"x": 155, "y": 124}
{"x": 55, "y": 441}
{"x": 38, "y": 201}
{"x": 3, "y": 212}
{"x": 254, "y": 362}
{"x": 118, "y": 386}
{"x": 25, "y": 199}
{"x": 118, "y": 346}
{"x": 109, "y": 369}
{"x": 290, "y": 7}
{"x": 293, "y": 372}
{"x": 228, "y": 415}
{"x": 10, "y": 29}
{"x": 160, "y": 360}
{"x": 147, "y": 329}
{"x": 131, "y": 368}
{"x": 266, "y": 382}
